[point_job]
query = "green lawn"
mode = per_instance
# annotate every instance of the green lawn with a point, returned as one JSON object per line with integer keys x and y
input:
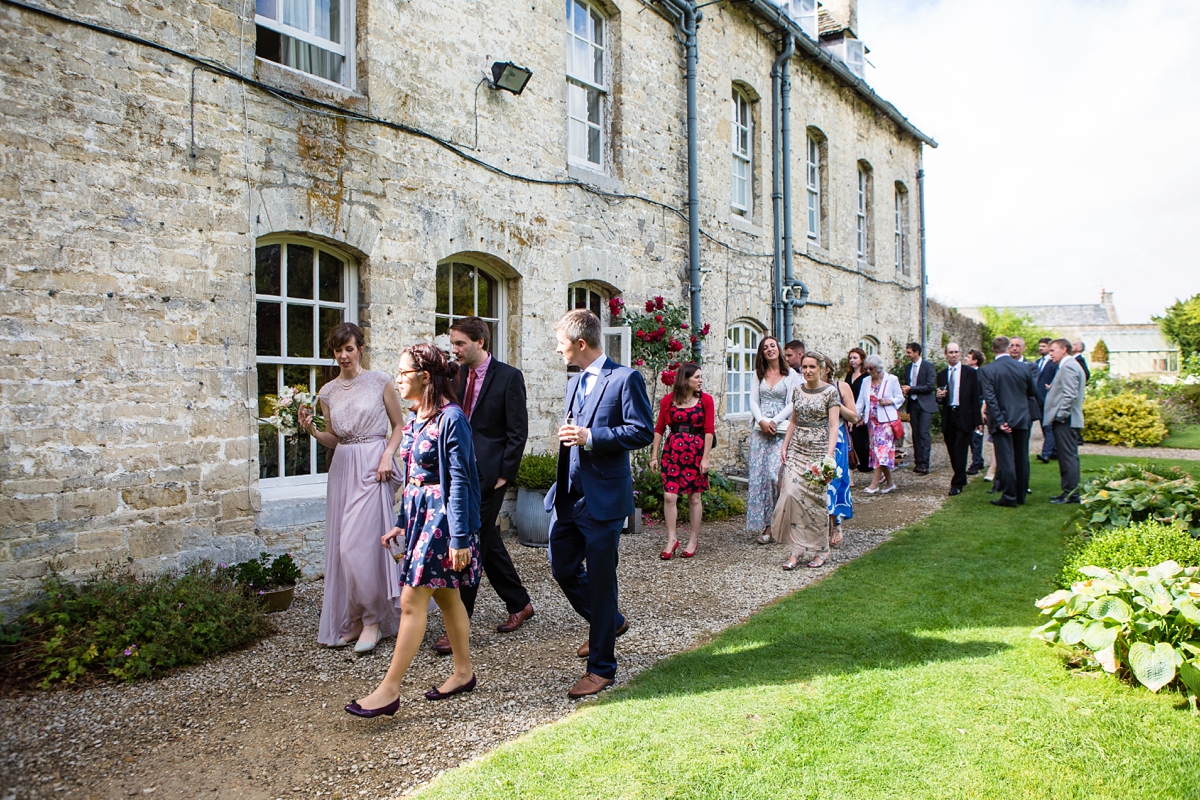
{"x": 1187, "y": 436}
{"x": 907, "y": 673}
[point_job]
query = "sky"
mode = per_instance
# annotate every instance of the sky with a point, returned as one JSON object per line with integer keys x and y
{"x": 1068, "y": 156}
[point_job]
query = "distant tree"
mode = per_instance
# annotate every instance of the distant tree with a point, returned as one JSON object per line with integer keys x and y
{"x": 1006, "y": 322}
{"x": 1181, "y": 324}
{"x": 1100, "y": 353}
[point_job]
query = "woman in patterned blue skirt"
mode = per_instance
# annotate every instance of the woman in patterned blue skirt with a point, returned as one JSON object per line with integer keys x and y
{"x": 837, "y": 494}
{"x": 438, "y": 523}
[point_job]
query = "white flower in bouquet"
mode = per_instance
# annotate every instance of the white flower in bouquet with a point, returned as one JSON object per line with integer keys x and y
{"x": 823, "y": 472}
{"x": 285, "y": 410}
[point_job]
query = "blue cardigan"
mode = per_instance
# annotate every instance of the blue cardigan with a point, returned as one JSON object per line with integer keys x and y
{"x": 459, "y": 477}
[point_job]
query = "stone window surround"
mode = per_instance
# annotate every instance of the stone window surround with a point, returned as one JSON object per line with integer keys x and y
{"x": 816, "y": 178}
{"x": 742, "y": 126}
{"x": 603, "y": 43}
{"x": 747, "y": 326}
{"x": 864, "y": 217}
{"x": 347, "y": 48}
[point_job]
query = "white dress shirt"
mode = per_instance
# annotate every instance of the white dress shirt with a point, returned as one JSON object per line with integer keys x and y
{"x": 954, "y": 378}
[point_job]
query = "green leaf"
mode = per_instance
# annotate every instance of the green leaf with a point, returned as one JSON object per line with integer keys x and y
{"x": 1047, "y": 632}
{"x": 1154, "y": 667}
{"x": 1110, "y": 607}
{"x": 1165, "y": 571}
{"x": 1095, "y": 572}
{"x": 1071, "y": 633}
{"x": 1189, "y": 611}
{"x": 1189, "y": 673}
{"x": 1098, "y": 636}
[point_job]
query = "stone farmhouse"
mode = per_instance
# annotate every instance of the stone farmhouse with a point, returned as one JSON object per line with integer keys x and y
{"x": 192, "y": 192}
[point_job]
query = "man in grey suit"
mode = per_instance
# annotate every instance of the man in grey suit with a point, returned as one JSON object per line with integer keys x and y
{"x": 1008, "y": 390}
{"x": 1064, "y": 412}
{"x": 920, "y": 386}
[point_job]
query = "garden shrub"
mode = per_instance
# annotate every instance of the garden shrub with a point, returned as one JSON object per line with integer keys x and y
{"x": 720, "y": 500}
{"x": 1140, "y": 623}
{"x": 125, "y": 627}
{"x": 1142, "y": 544}
{"x": 1128, "y": 418}
{"x": 1128, "y": 493}
{"x": 263, "y": 574}
{"x": 537, "y": 472}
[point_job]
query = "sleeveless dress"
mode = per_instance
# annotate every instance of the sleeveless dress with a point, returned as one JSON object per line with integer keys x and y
{"x": 681, "y": 473}
{"x": 358, "y": 511}
{"x": 860, "y": 436}
{"x": 764, "y": 457}
{"x": 801, "y": 519}
{"x": 426, "y": 560}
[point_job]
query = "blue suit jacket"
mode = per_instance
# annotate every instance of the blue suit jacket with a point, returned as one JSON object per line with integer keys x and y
{"x": 619, "y": 416}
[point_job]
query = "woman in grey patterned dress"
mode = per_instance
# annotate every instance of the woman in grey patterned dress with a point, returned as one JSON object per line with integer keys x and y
{"x": 771, "y": 407}
{"x": 363, "y": 480}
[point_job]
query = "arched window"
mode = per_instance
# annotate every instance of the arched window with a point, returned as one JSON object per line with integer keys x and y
{"x": 587, "y": 84}
{"x": 467, "y": 289}
{"x": 901, "y": 233}
{"x": 869, "y": 345}
{"x": 590, "y": 296}
{"x": 863, "y": 221}
{"x": 814, "y": 180}
{"x": 742, "y": 130}
{"x": 741, "y": 345}
{"x": 302, "y": 289}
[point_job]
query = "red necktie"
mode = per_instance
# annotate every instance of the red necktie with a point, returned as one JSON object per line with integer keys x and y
{"x": 470, "y": 393}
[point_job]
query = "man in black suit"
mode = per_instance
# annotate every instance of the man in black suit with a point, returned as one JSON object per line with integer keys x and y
{"x": 1007, "y": 386}
{"x": 493, "y": 396}
{"x": 919, "y": 386}
{"x": 1046, "y": 368}
{"x": 1077, "y": 351}
{"x": 958, "y": 394}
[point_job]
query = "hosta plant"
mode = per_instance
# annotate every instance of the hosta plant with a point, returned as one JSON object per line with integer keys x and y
{"x": 1128, "y": 493}
{"x": 1141, "y": 623}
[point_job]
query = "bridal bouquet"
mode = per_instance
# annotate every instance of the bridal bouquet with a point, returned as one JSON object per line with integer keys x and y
{"x": 285, "y": 410}
{"x": 821, "y": 473}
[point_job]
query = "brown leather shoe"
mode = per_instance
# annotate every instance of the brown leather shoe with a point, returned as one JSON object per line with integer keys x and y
{"x": 442, "y": 646}
{"x": 588, "y": 685}
{"x": 585, "y": 650}
{"x": 514, "y": 620}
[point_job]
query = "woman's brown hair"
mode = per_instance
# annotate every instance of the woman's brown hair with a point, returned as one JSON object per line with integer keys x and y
{"x": 682, "y": 377}
{"x": 442, "y": 372}
{"x": 344, "y": 332}
{"x": 760, "y": 360}
{"x": 862, "y": 362}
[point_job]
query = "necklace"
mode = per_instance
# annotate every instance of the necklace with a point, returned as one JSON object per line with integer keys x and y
{"x": 348, "y": 385}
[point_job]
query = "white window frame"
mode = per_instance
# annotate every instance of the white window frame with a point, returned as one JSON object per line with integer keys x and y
{"x": 742, "y": 143}
{"x": 349, "y": 307}
{"x": 861, "y": 215}
{"x": 345, "y": 48}
{"x": 618, "y": 343}
{"x": 741, "y": 348}
{"x": 499, "y": 333}
{"x": 812, "y": 179}
{"x": 586, "y": 86}
{"x": 901, "y": 233}
{"x": 595, "y": 296}
{"x": 869, "y": 345}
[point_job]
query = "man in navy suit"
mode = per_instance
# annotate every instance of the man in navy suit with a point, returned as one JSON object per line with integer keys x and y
{"x": 919, "y": 386}
{"x": 1046, "y": 369}
{"x": 607, "y": 414}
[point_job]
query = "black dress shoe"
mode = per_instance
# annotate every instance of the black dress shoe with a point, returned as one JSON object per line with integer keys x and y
{"x": 921, "y": 471}
{"x": 993, "y": 490}
{"x": 1043, "y": 459}
{"x": 973, "y": 471}
{"x": 955, "y": 490}
{"x": 1072, "y": 499}
{"x": 1003, "y": 503}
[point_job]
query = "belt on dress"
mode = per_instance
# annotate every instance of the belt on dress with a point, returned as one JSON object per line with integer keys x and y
{"x": 695, "y": 430}
{"x": 370, "y": 437}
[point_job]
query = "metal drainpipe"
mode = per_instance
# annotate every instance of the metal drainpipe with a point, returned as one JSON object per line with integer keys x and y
{"x": 789, "y": 47}
{"x": 691, "y": 16}
{"x": 924, "y": 278}
{"x": 785, "y": 104}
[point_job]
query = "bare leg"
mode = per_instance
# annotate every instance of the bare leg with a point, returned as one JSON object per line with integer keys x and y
{"x": 414, "y": 609}
{"x": 875, "y": 478}
{"x": 887, "y": 473}
{"x": 458, "y": 628}
{"x": 696, "y": 509}
{"x": 670, "y": 517}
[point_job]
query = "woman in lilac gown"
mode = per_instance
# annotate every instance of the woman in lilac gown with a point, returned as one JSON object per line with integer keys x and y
{"x": 363, "y": 480}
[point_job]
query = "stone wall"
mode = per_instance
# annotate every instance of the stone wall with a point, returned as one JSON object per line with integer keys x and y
{"x": 134, "y": 187}
{"x": 944, "y": 324}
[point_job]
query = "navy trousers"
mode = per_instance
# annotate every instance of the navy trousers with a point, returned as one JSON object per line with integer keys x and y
{"x": 583, "y": 559}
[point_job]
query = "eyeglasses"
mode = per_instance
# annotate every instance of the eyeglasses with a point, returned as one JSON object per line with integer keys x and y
{"x": 407, "y": 372}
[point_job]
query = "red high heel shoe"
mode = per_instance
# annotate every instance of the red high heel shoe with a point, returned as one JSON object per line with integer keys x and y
{"x": 686, "y": 554}
{"x": 665, "y": 555}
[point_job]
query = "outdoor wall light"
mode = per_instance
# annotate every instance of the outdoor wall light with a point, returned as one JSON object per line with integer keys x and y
{"x": 508, "y": 76}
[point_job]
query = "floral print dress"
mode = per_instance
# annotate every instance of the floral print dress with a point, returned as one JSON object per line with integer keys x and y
{"x": 682, "y": 452}
{"x": 426, "y": 560}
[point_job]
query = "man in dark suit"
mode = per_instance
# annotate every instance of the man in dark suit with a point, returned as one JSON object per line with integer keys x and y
{"x": 958, "y": 394}
{"x": 1064, "y": 411}
{"x": 1046, "y": 367}
{"x": 1077, "y": 351}
{"x": 493, "y": 396}
{"x": 607, "y": 414}
{"x": 1007, "y": 386}
{"x": 919, "y": 386}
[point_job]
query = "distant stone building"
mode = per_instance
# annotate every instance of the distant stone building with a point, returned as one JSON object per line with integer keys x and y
{"x": 1134, "y": 350}
{"x": 193, "y": 193}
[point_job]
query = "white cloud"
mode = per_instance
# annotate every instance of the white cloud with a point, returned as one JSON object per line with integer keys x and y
{"x": 1068, "y": 156}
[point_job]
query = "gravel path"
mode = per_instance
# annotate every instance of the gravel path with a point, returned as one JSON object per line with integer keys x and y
{"x": 267, "y": 722}
{"x": 1136, "y": 453}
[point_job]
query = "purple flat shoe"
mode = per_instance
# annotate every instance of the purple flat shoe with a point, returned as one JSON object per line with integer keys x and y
{"x": 434, "y": 694}
{"x": 367, "y": 713}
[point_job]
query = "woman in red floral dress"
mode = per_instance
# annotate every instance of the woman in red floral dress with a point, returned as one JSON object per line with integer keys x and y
{"x": 689, "y": 413}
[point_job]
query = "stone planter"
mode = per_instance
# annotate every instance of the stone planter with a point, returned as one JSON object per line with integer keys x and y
{"x": 531, "y": 518}
{"x": 277, "y": 599}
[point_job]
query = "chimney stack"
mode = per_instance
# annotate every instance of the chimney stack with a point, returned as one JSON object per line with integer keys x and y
{"x": 1106, "y": 300}
{"x": 844, "y": 13}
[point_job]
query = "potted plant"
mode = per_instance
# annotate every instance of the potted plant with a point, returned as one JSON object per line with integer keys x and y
{"x": 535, "y": 476}
{"x": 273, "y": 580}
